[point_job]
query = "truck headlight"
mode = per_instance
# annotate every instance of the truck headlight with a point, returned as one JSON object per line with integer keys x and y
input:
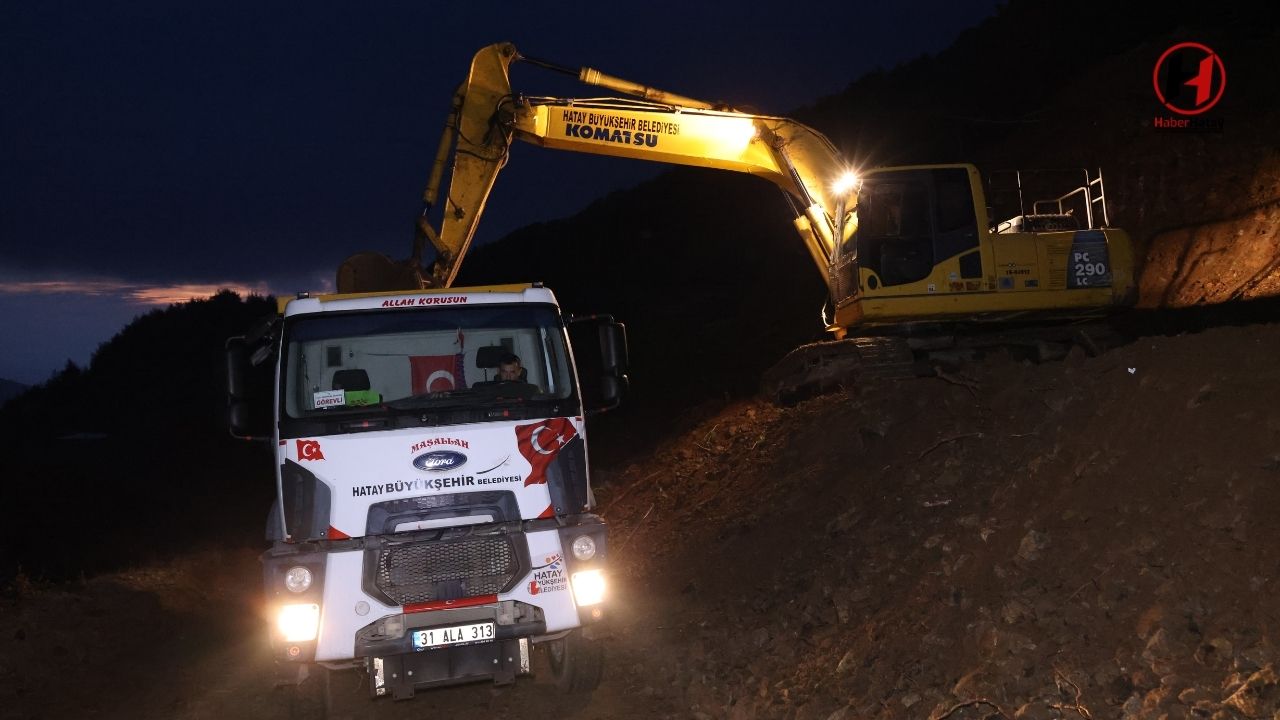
{"x": 298, "y": 579}
{"x": 299, "y": 623}
{"x": 584, "y": 547}
{"x": 588, "y": 587}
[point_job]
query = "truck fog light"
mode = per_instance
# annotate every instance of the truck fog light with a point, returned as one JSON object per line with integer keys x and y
{"x": 588, "y": 587}
{"x": 298, "y": 579}
{"x": 584, "y": 547}
{"x": 299, "y": 623}
{"x": 391, "y": 626}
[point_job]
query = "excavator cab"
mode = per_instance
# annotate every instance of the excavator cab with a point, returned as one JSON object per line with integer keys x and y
{"x": 923, "y": 249}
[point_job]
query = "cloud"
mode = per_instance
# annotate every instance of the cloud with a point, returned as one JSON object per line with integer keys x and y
{"x": 164, "y": 295}
{"x": 135, "y": 293}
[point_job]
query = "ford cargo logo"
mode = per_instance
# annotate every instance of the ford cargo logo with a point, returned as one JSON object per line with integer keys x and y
{"x": 439, "y": 460}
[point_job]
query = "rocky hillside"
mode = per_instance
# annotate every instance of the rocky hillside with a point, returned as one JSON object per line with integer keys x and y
{"x": 1090, "y": 539}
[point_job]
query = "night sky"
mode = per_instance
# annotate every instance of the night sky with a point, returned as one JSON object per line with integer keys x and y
{"x": 154, "y": 152}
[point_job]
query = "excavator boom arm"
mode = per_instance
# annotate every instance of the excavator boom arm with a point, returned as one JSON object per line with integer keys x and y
{"x": 661, "y": 127}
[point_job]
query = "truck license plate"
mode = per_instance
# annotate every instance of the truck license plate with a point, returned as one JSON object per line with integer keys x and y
{"x": 456, "y": 635}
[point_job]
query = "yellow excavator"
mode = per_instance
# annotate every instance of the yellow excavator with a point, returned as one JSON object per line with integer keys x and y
{"x": 915, "y": 258}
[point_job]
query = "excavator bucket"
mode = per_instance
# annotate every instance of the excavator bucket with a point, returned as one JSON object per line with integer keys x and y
{"x": 367, "y": 271}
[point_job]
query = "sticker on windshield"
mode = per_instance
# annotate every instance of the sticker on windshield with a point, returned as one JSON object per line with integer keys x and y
{"x": 362, "y": 397}
{"x": 328, "y": 398}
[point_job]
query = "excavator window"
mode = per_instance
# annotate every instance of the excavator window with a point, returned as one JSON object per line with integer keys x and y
{"x": 895, "y": 229}
{"x": 955, "y": 200}
{"x": 955, "y": 219}
{"x": 910, "y": 220}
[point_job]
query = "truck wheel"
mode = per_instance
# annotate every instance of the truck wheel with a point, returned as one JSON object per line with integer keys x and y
{"x": 576, "y": 663}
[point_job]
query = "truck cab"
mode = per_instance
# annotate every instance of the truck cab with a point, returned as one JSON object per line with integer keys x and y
{"x": 433, "y": 521}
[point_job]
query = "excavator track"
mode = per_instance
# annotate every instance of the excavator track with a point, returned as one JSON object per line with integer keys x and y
{"x": 823, "y": 367}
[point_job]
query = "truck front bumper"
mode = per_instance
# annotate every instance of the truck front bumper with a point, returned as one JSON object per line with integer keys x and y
{"x": 399, "y": 676}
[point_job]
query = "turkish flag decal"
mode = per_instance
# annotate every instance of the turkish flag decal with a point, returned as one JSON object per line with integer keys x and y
{"x": 539, "y": 442}
{"x": 309, "y": 450}
{"x": 436, "y": 373}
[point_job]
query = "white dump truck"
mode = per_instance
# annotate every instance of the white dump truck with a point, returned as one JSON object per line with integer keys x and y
{"x": 433, "y": 518}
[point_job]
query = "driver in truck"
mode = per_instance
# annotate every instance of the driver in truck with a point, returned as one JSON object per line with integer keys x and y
{"x": 509, "y": 369}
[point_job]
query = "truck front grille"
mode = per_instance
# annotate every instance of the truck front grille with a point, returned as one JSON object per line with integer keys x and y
{"x": 448, "y": 570}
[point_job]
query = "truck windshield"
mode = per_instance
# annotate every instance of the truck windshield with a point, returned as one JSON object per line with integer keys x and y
{"x": 423, "y": 359}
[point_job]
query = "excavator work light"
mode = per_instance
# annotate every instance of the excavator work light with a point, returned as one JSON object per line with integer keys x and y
{"x": 845, "y": 183}
{"x": 734, "y": 134}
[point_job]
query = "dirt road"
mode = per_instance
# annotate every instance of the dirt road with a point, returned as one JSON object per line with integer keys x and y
{"x": 184, "y": 640}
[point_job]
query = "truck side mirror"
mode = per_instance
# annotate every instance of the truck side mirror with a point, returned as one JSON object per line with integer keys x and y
{"x": 600, "y": 351}
{"x": 244, "y": 416}
{"x": 613, "y": 347}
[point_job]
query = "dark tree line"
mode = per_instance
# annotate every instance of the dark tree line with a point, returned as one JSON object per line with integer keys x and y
{"x": 127, "y": 459}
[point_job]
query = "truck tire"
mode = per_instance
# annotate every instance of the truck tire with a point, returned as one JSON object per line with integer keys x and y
{"x": 577, "y": 663}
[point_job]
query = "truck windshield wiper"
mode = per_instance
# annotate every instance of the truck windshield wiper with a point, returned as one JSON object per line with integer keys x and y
{"x": 433, "y": 399}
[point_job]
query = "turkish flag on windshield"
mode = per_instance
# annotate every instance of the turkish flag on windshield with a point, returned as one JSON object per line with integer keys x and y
{"x": 437, "y": 373}
{"x": 539, "y": 442}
